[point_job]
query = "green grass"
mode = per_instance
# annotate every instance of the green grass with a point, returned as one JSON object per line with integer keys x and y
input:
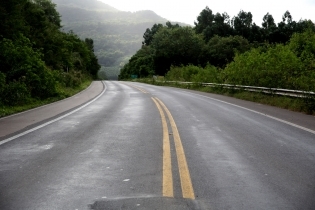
{"x": 295, "y": 104}
{"x": 33, "y": 103}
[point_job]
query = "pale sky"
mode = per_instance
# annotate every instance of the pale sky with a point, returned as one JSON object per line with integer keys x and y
{"x": 187, "y": 11}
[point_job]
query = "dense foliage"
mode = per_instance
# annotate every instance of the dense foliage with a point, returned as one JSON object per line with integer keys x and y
{"x": 236, "y": 51}
{"x": 37, "y": 60}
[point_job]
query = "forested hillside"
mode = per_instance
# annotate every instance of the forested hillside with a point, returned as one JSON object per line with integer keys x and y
{"x": 233, "y": 50}
{"x": 117, "y": 35}
{"x": 37, "y": 60}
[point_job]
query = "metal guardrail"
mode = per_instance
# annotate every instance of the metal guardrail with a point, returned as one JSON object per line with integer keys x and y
{"x": 275, "y": 91}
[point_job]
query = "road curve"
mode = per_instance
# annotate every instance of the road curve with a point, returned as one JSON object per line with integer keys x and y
{"x": 140, "y": 146}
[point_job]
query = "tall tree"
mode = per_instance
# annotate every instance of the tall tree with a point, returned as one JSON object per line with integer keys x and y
{"x": 269, "y": 27}
{"x": 210, "y": 24}
{"x": 221, "y": 50}
{"x": 304, "y": 25}
{"x": 268, "y": 22}
{"x": 178, "y": 46}
{"x": 12, "y": 19}
{"x": 50, "y": 11}
{"x": 256, "y": 34}
{"x": 204, "y": 20}
{"x": 90, "y": 43}
{"x": 149, "y": 33}
{"x": 141, "y": 64}
{"x": 242, "y": 23}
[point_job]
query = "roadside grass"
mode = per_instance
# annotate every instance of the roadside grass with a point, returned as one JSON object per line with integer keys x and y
{"x": 33, "y": 103}
{"x": 306, "y": 106}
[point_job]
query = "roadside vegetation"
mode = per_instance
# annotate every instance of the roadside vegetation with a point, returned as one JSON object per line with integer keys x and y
{"x": 38, "y": 62}
{"x": 232, "y": 51}
{"x": 305, "y": 105}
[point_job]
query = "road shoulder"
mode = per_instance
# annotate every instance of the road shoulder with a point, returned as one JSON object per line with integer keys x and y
{"x": 298, "y": 118}
{"x": 16, "y": 123}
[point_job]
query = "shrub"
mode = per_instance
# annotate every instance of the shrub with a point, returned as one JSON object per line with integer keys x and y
{"x": 278, "y": 67}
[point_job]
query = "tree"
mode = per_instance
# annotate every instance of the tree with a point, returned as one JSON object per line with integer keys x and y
{"x": 24, "y": 70}
{"x": 177, "y": 46}
{"x": 256, "y": 35}
{"x": 92, "y": 67}
{"x": 284, "y": 30}
{"x": 222, "y": 25}
{"x": 35, "y": 56}
{"x": 204, "y": 20}
{"x": 50, "y": 11}
{"x": 210, "y": 25}
{"x": 268, "y": 22}
{"x": 12, "y": 19}
{"x": 221, "y": 50}
{"x": 304, "y": 25}
{"x": 141, "y": 64}
{"x": 268, "y": 27}
{"x": 275, "y": 67}
{"x": 303, "y": 45}
{"x": 170, "y": 25}
{"x": 242, "y": 23}
{"x": 90, "y": 43}
{"x": 149, "y": 33}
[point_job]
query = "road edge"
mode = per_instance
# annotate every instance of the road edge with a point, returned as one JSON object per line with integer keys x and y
{"x": 55, "y": 118}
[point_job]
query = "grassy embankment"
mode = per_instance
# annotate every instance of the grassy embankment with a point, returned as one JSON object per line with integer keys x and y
{"x": 65, "y": 92}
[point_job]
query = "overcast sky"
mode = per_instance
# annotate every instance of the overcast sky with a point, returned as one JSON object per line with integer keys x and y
{"x": 187, "y": 11}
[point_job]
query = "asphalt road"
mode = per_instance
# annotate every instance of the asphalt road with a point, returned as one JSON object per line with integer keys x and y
{"x": 145, "y": 147}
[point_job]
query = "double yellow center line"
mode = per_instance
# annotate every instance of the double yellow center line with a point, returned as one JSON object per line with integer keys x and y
{"x": 185, "y": 180}
{"x": 184, "y": 175}
{"x": 140, "y": 89}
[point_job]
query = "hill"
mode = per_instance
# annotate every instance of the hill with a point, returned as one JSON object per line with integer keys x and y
{"x": 117, "y": 34}
{"x": 90, "y": 5}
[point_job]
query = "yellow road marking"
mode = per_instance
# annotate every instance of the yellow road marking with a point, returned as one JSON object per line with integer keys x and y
{"x": 186, "y": 184}
{"x": 140, "y": 89}
{"x": 167, "y": 165}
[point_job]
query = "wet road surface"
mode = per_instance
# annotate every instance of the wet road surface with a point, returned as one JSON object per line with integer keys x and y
{"x": 146, "y": 147}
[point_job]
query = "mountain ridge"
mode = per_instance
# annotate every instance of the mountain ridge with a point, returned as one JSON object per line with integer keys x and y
{"x": 117, "y": 34}
{"x": 90, "y": 5}
{"x": 69, "y": 14}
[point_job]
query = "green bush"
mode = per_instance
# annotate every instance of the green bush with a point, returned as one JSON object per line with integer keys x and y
{"x": 15, "y": 93}
{"x": 191, "y": 73}
{"x": 303, "y": 45}
{"x": 24, "y": 69}
{"x": 221, "y": 50}
{"x": 72, "y": 78}
{"x": 2, "y": 82}
{"x": 209, "y": 74}
{"x": 278, "y": 67}
{"x": 182, "y": 73}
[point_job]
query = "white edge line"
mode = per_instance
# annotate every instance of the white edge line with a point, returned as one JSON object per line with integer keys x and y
{"x": 269, "y": 116}
{"x": 54, "y": 120}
